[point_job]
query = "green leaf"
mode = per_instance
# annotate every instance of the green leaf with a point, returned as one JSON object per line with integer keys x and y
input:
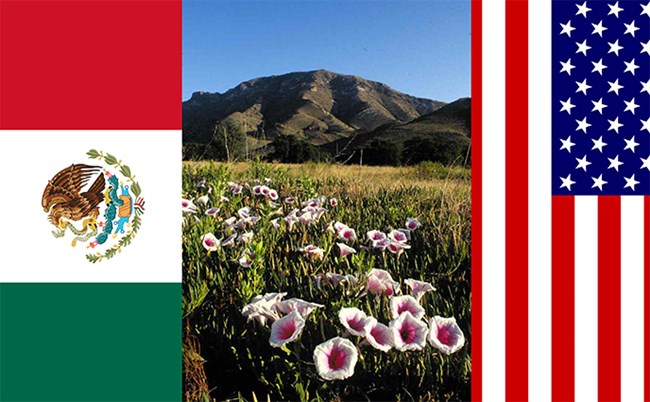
{"x": 92, "y": 154}
{"x": 136, "y": 188}
{"x": 110, "y": 159}
{"x": 126, "y": 171}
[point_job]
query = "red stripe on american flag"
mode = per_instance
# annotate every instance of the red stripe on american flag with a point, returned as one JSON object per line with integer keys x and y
{"x": 516, "y": 200}
{"x": 476, "y": 382}
{"x": 609, "y": 298}
{"x": 563, "y": 294}
{"x": 646, "y": 296}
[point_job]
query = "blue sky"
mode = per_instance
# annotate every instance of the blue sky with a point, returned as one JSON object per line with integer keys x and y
{"x": 420, "y": 47}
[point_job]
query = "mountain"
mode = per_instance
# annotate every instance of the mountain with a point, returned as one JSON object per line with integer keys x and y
{"x": 319, "y": 107}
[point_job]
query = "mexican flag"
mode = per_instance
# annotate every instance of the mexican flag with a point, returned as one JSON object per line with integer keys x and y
{"x": 90, "y": 171}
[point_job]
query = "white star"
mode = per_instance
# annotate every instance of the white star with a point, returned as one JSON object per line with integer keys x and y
{"x": 583, "y": 86}
{"x": 583, "y": 47}
{"x": 583, "y": 125}
{"x": 645, "y": 86}
{"x": 646, "y": 9}
{"x": 614, "y": 125}
{"x": 646, "y": 163}
{"x": 645, "y": 125}
{"x": 630, "y": 66}
{"x": 614, "y": 87}
{"x": 630, "y": 29}
{"x": 630, "y": 105}
{"x": 567, "y": 182}
{"x": 599, "y": 106}
{"x": 599, "y": 28}
{"x": 567, "y": 66}
{"x": 567, "y": 144}
{"x": 615, "y": 9}
{"x": 630, "y": 182}
{"x": 631, "y": 144}
{"x": 567, "y": 28}
{"x": 567, "y": 106}
{"x": 598, "y": 182}
{"x": 583, "y": 9}
{"x": 598, "y": 144}
{"x": 598, "y": 66}
{"x": 645, "y": 47}
{"x": 614, "y": 47}
{"x": 583, "y": 163}
{"x": 614, "y": 163}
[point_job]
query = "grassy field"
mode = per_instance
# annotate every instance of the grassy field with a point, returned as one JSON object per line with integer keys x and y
{"x": 229, "y": 357}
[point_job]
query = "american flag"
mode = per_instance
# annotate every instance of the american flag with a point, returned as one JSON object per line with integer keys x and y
{"x": 564, "y": 200}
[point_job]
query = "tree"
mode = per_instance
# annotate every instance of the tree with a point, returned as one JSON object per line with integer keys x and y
{"x": 289, "y": 149}
{"x": 382, "y": 152}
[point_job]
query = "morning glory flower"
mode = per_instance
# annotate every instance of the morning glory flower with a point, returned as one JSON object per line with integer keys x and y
{"x": 445, "y": 334}
{"x": 409, "y": 333}
{"x": 335, "y": 359}
{"x": 286, "y": 329}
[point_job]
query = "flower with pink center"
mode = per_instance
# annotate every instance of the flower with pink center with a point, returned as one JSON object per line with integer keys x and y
{"x": 236, "y": 189}
{"x": 245, "y": 237}
{"x": 273, "y": 195}
{"x": 396, "y": 247}
{"x": 290, "y": 220}
{"x": 419, "y": 288}
{"x": 445, "y": 334}
{"x": 304, "y": 308}
{"x": 335, "y": 359}
{"x": 312, "y": 202}
{"x": 345, "y": 250}
{"x": 212, "y": 211}
{"x": 229, "y": 241}
{"x": 265, "y": 190}
{"x": 286, "y": 329}
{"x": 381, "y": 244}
{"x": 378, "y": 335}
{"x": 354, "y": 320}
{"x": 290, "y": 200}
{"x": 262, "y": 308}
{"x": 338, "y": 226}
{"x": 400, "y": 304}
{"x": 210, "y": 242}
{"x": 412, "y": 223}
{"x": 257, "y": 190}
{"x": 246, "y": 259}
{"x": 380, "y": 282}
{"x": 347, "y": 234}
{"x": 397, "y": 236}
{"x": 376, "y": 235}
{"x": 244, "y": 212}
{"x": 313, "y": 252}
{"x": 408, "y": 332}
{"x": 188, "y": 206}
{"x": 203, "y": 200}
{"x": 407, "y": 233}
{"x": 333, "y": 202}
{"x": 229, "y": 222}
{"x": 200, "y": 184}
{"x": 224, "y": 199}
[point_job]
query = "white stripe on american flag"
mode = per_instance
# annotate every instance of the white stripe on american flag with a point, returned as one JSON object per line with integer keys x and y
{"x": 493, "y": 179}
{"x": 539, "y": 202}
{"x": 586, "y": 299}
{"x": 632, "y": 281}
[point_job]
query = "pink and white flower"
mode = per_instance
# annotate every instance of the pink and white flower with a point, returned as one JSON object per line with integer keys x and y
{"x": 245, "y": 237}
{"x": 376, "y": 235}
{"x": 409, "y": 333}
{"x": 347, "y": 234}
{"x": 345, "y": 250}
{"x": 354, "y": 320}
{"x": 381, "y": 244}
{"x": 336, "y": 359}
{"x": 419, "y": 288}
{"x": 224, "y": 199}
{"x": 290, "y": 200}
{"x": 236, "y": 189}
{"x": 246, "y": 260}
{"x": 333, "y": 202}
{"x": 407, "y": 233}
{"x": 400, "y": 304}
{"x": 274, "y": 224}
{"x": 396, "y": 247}
{"x": 212, "y": 211}
{"x": 380, "y": 282}
{"x": 397, "y": 236}
{"x": 273, "y": 195}
{"x": 262, "y": 308}
{"x": 257, "y": 190}
{"x": 335, "y": 279}
{"x": 265, "y": 190}
{"x": 188, "y": 206}
{"x": 286, "y": 329}
{"x": 229, "y": 241}
{"x": 413, "y": 223}
{"x": 378, "y": 335}
{"x": 445, "y": 334}
{"x": 313, "y": 252}
{"x": 210, "y": 242}
{"x": 304, "y": 308}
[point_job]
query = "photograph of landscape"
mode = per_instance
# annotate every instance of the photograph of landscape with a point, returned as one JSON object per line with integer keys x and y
{"x": 326, "y": 200}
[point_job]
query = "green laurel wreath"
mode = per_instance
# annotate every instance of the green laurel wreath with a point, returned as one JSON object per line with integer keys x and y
{"x": 112, "y": 161}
